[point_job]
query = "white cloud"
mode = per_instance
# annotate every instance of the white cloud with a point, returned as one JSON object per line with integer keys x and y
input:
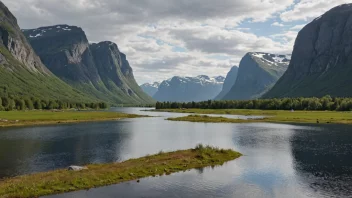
{"x": 277, "y": 24}
{"x": 310, "y": 9}
{"x": 297, "y": 27}
{"x": 162, "y": 38}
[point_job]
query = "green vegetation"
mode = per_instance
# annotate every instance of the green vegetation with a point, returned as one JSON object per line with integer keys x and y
{"x": 7, "y": 27}
{"x": 312, "y": 104}
{"x": 22, "y": 118}
{"x": 275, "y": 116}
{"x": 207, "y": 119}
{"x": 10, "y": 103}
{"x": 60, "y": 181}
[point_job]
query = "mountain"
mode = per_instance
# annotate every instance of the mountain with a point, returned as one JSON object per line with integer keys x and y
{"x": 322, "y": 58}
{"x": 150, "y": 89}
{"x": 229, "y": 82}
{"x": 22, "y": 74}
{"x": 257, "y": 73}
{"x": 187, "y": 89}
{"x": 99, "y": 70}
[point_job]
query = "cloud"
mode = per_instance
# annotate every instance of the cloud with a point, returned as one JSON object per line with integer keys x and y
{"x": 298, "y": 27}
{"x": 162, "y": 38}
{"x": 309, "y": 9}
{"x": 277, "y": 24}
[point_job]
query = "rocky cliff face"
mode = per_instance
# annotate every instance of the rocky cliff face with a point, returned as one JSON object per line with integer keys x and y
{"x": 99, "y": 70}
{"x": 229, "y": 82}
{"x": 150, "y": 89}
{"x": 322, "y": 58}
{"x": 187, "y": 89}
{"x": 21, "y": 71}
{"x": 257, "y": 73}
{"x": 15, "y": 43}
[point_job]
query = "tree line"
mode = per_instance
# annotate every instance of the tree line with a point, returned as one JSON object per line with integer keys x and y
{"x": 312, "y": 104}
{"x": 12, "y": 103}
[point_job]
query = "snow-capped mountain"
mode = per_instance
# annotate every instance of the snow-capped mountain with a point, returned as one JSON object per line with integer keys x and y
{"x": 187, "y": 89}
{"x": 258, "y": 72}
{"x": 150, "y": 88}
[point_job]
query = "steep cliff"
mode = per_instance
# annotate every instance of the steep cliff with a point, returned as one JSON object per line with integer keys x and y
{"x": 21, "y": 71}
{"x": 322, "y": 58}
{"x": 99, "y": 70}
{"x": 187, "y": 89}
{"x": 228, "y": 83}
{"x": 257, "y": 73}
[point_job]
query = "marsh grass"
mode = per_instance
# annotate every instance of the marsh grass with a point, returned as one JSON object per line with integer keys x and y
{"x": 60, "y": 181}
{"x": 37, "y": 117}
{"x": 275, "y": 116}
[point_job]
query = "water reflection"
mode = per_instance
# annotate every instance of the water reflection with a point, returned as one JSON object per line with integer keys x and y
{"x": 280, "y": 160}
{"x": 28, "y": 150}
{"x": 324, "y": 160}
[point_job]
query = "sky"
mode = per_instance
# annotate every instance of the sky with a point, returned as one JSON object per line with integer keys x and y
{"x": 165, "y": 38}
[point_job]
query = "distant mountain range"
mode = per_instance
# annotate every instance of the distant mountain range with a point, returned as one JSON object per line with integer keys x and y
{"x": 99, "y": 70}
{"x": 150, "y": 88}
{"x": 322, "y": 58}
{"x": 258, "y": 72}
{"x": 186, "y": 89}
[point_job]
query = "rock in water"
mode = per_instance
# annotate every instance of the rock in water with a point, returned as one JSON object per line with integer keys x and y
{"x": 77, "y": 168}
{"x": 257, "y": 73}
{"x": 322, "y": 58}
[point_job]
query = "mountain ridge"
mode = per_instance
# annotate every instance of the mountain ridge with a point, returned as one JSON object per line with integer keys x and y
{"x": 257, "y": 73}
{"x": 97, "y": 69}
{"x": 230, "y": 80}
{"x": 321, "y": 58}
{"x": 22, "y": 74}
{"x": 186, "y": 89}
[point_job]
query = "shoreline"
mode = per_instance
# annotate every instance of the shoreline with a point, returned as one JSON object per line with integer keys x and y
{"x": 41, "y": 118}
{"x": 272, "y": 116}
{"x": 98, "y": 175}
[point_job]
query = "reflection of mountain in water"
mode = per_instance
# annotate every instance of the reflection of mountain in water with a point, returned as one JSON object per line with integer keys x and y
{"x": 46, "y": 148}
{"x": 324, "y": 159}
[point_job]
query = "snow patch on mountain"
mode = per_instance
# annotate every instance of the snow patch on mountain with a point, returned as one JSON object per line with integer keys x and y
{"x": 272, "y": 59}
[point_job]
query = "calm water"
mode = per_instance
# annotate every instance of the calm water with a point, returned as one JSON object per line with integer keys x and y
{"x": 280, "y": 160}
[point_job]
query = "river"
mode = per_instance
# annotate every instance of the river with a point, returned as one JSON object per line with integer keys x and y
{"x": 280, "y": 160}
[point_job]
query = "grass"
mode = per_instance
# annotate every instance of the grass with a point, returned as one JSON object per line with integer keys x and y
{"x": 208, "y": 119}
{"x": 36, "y": 117}
{"x": 275, "y": 116}
{"x": 61, "y": 181}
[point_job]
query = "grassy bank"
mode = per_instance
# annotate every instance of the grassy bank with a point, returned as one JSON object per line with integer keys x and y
{"x": 326, "y": 117}
{"x": 24, "y": 118}
{"x": 61, "y": 181}
{"x": 208, "y": 119}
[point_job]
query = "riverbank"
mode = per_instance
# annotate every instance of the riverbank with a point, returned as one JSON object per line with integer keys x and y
{"x": 275, "y": 116}
{"x": 37, "y": 117}
{"x": 60, "y": 181}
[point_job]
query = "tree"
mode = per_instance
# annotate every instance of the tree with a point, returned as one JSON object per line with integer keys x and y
{"x": 11, "y": 105}
{"x": 29, "y": 103}
{"x": 38, "y": 104}
{"x": 20, "y": 104}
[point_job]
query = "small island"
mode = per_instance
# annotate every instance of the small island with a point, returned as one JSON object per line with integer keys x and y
{"x": 96, "y": 175}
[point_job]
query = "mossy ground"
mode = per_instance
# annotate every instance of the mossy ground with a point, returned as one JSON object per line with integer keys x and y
{"x": 38, "y": 117}
{"x": 60, "y": 181}
{"x": 275, "y": 116}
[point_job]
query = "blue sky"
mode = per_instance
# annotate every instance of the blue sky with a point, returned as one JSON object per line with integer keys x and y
{"x": 164, "y": 38}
